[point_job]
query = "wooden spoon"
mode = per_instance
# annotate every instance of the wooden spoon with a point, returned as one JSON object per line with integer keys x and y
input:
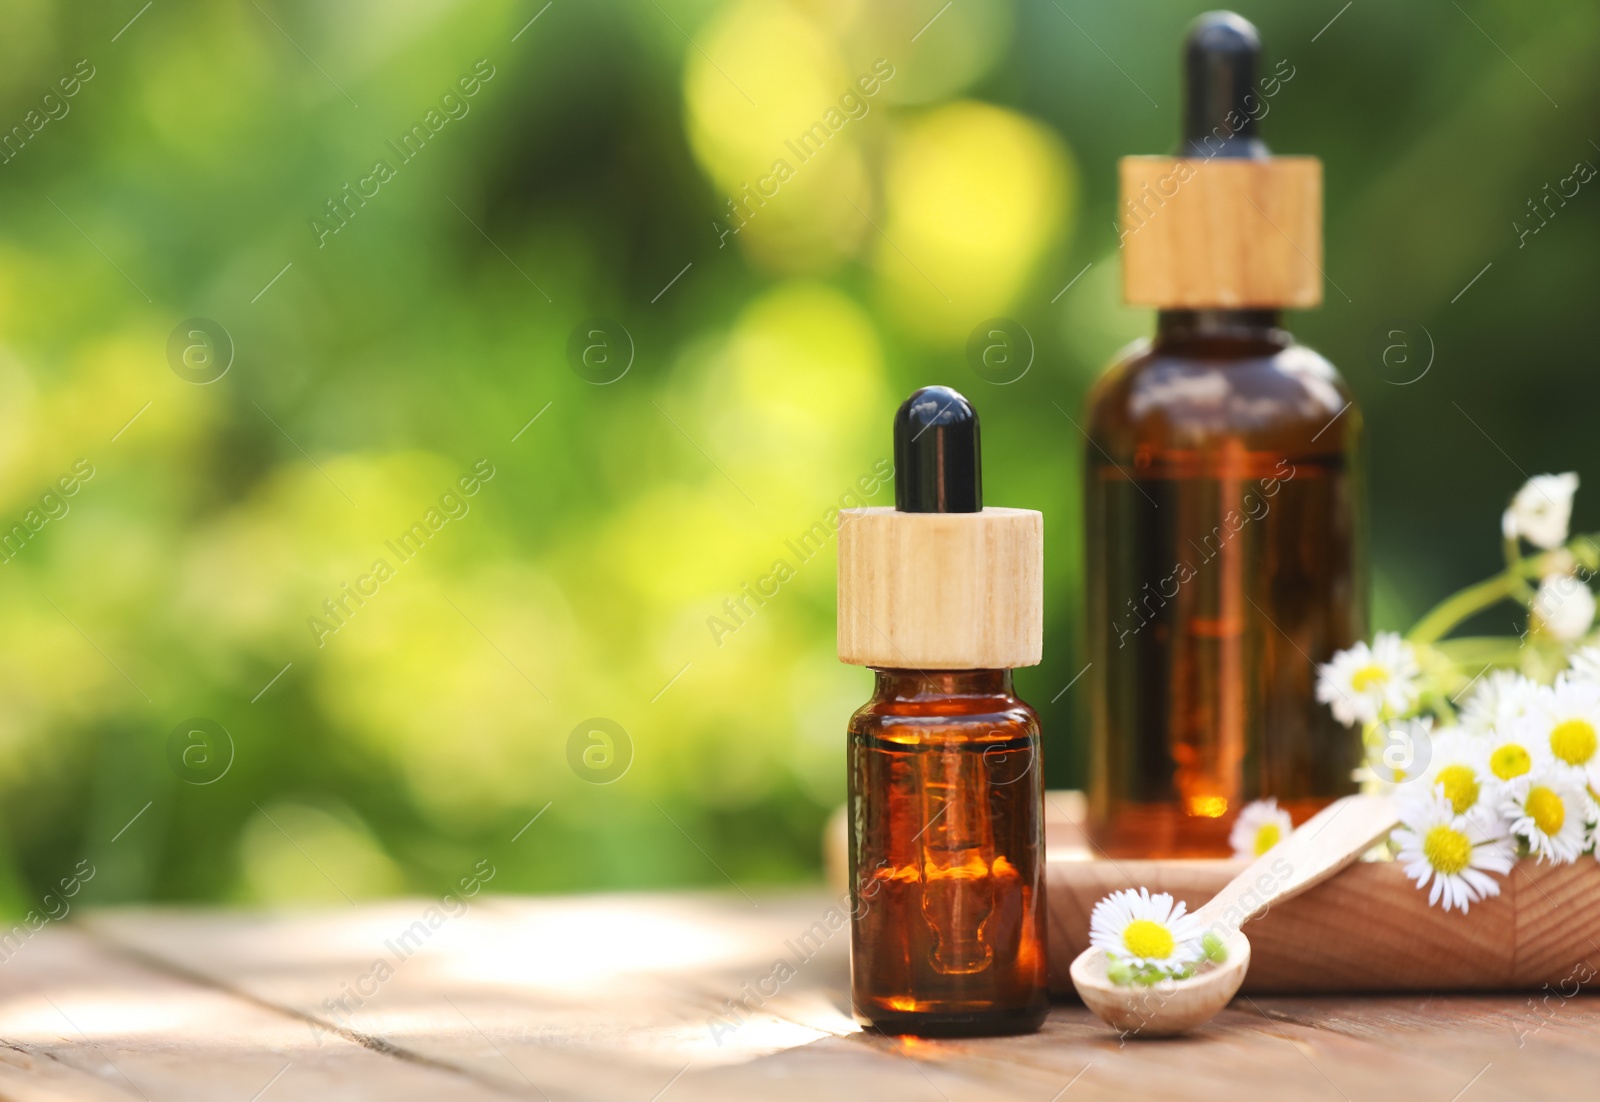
{"x": 1324, "y": 844}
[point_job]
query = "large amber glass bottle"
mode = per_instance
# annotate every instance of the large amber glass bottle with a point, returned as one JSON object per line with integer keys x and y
{"x": 1224, "y": 493}
{"x": 1223, "y": 527}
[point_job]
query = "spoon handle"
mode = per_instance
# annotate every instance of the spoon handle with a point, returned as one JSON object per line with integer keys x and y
{"x": 1320, "y": 847}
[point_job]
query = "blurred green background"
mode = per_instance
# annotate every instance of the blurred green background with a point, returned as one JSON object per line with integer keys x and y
{"x": 384, "y": 347}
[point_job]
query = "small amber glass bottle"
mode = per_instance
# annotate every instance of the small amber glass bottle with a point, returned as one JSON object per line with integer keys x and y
{"x": 943, "y": 598}
{"x": 1223, "y": 497}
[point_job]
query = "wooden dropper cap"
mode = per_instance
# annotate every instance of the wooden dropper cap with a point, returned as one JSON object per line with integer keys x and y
{"x": 1223, "y": 225}
{"x": 939, "y": 582}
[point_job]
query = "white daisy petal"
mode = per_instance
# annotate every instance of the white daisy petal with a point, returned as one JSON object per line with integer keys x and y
{"x": 1368, "y": 683}
{"x": 1147, "y": 931}
{"x": 1502, "y": 696}
{"x": 1458, "y": 766}
{"x": 1567, "y": 717}
{"x": 1549, "y": 810}
{"x": 1564, "y": 607}
{"x": 1542, "y": 510}
{"x": 1261, "y": 825}
{"x": 1516, "y": 748}
{"x": 1399, "y": 751}
{"x": 1585, "y": 665}
{"x": 1441, "y": 847}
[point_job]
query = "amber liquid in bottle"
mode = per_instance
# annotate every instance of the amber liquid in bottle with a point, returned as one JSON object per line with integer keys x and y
{"x": 1224, "y": 515}
{"x": 947, "y": 856}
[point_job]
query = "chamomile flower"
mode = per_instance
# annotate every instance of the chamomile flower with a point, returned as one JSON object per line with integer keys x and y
{"x": 1516, "y": 748}
{"x": 1585, "y": 665}
{"x": 1550, "y": 810}
{"x": 1542, "y": 510}
{"x": 1261, "y": 825}
{"x": 1147, "y": 931}
{"x": 1365, "y": 684}
{"x": 1455, "y": 852}
{"x": 1564, "y": 607}
{"x": 1503, "y": 696}
{"x": 1397, "y": 752}
{"x": 1585, "y": 670}
{"x": 1568, "y": 716}
{"x": 1459, "y": 768}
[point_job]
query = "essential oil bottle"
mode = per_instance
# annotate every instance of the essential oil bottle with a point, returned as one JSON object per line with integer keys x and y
{"x": 942, "y": 598}
{"x": 1225, "y": 521}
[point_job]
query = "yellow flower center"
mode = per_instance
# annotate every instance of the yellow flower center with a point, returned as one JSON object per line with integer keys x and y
{"x": 1147, "y": 939}
{"x": 1369, "y": 677}
{"x": 1510, "y": 761}
{"x": 1574, "y": 741}
{"x": 1546, "y": 810}
{"x": 1447, "y": 850}
{"x": 1460, "y": 786}
{"x": 1267, "y": 837}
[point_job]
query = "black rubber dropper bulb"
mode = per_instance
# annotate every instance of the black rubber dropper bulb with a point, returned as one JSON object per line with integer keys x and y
{"x": 1221, "y": 53}
{"x": 937, "y": 467}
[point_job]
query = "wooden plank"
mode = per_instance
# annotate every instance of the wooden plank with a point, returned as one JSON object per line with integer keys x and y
{"x": 82, "y": 1022}
{"x": 593, "y": 997}
{"x": 1501, "y": 1043}
{"x": 608, "y": 997}
{"x": 29, "y": 1074}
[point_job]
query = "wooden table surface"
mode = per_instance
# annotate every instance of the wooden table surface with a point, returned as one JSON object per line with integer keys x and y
{"x": 618, "y": 997}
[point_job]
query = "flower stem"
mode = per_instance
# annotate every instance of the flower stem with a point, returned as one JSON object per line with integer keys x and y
{"x": 1458, "y": 606}
{"x": 1438, "y": 621}
{"x": 1514, "y": 566}
{"x": 1475, "y": 652}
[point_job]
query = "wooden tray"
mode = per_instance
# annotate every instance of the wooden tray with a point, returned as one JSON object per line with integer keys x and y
{"x": 1369, "y": 928}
